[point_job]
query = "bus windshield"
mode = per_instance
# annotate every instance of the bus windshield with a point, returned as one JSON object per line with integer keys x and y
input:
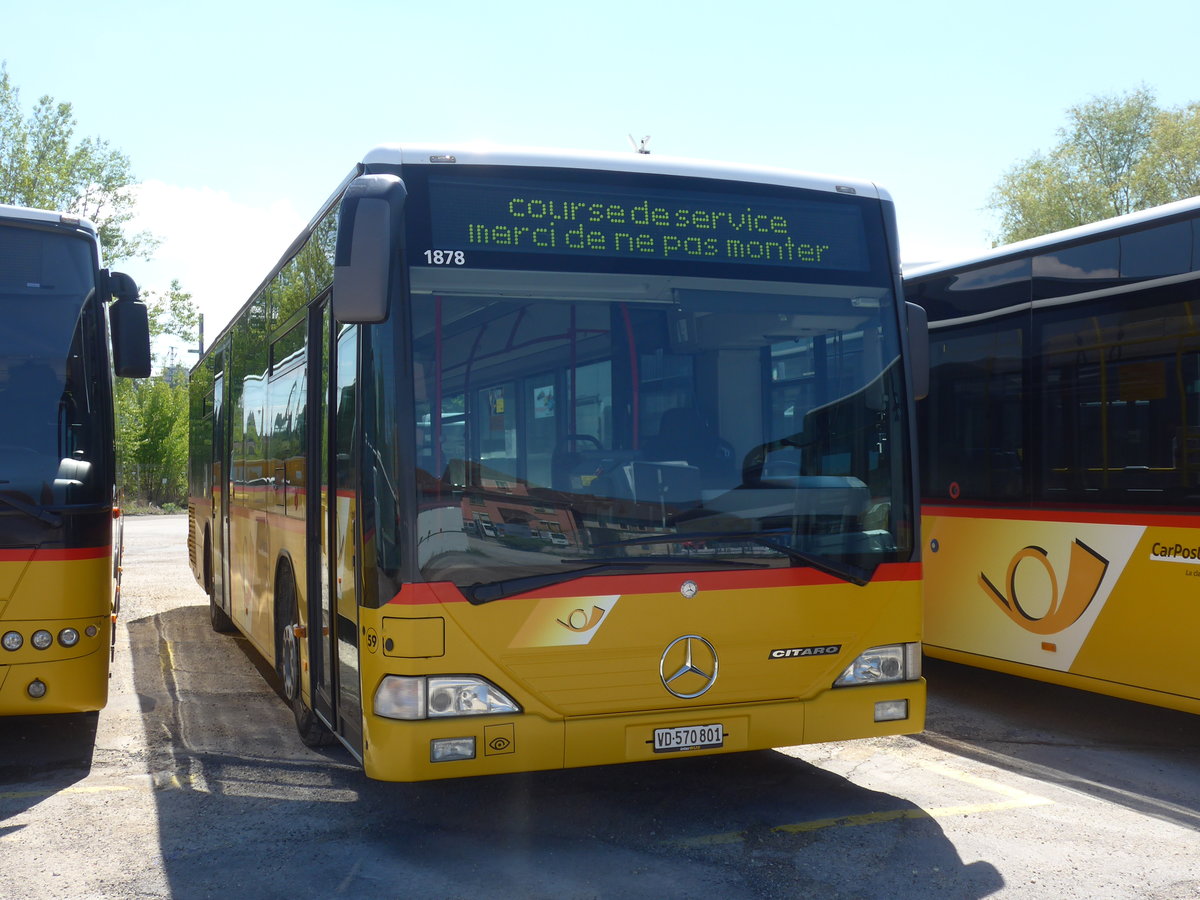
{"x": 52, "y": 455}
{"x": 575, "y": 422}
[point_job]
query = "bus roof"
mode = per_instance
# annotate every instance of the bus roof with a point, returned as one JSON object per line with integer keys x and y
{"x": 650, "y": 163}
{"x": 1078, "y": 235}
{"x": 45, "y": 217}
{"x": 495, "y": 155}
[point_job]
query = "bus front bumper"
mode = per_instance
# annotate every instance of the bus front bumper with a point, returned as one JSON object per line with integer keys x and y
{"x": 489, "y": 745}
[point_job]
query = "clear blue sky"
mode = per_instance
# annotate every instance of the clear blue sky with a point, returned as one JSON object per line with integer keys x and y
{"x": 241, "y": 117}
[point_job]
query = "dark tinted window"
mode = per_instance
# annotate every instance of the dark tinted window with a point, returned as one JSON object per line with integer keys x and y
{"x": 995, "y": 287}
{"x": 1156, "y": 252}
{"x": 1074, "y": 270}
{"x": 972, "y": 423}
{"x": 54, "y": 377}
{"x": 1120, "y": 411}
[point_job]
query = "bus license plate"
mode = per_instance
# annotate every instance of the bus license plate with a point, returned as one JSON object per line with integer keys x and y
{"x": 688, "y": 737}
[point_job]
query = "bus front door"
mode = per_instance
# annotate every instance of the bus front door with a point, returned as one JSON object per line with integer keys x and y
{"x": 320, "y": 630}
{"x": 220, "y": 487}
{"x": 343, "y": 532}
{"x": 333, "y": 594}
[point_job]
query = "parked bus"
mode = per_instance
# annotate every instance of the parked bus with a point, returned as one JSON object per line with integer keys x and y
{"x": 1061, "y": 457}
{"x": 530, "y": 460}
{"x": 60, "y": 544}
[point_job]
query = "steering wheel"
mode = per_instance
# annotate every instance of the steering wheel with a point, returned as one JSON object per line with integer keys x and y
{"x": 565, "y": 455}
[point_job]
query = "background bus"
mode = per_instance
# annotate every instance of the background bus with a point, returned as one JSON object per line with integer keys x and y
{"x": 59, "y": 557}
{"x": 529, "y": 460}
{"x": 1061, "y": 457}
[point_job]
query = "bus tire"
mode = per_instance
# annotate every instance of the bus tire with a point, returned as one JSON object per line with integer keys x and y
{"x": 217, "y": 617}
{"x": 287, "y": 661}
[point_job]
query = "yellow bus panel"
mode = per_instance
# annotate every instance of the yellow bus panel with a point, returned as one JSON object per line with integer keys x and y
{"x": 588, "y": 672}
{"x": 40, "y": 593}
{"x": 1104, "y": 602}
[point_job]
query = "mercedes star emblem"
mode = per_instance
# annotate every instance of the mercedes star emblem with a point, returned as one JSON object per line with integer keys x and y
{"x": 692, "y": 662}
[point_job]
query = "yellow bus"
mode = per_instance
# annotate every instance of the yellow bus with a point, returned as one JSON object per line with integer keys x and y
{"x": 1061, "y": 457}
{"x": 525, "y": 460}
{"x": 59, "y": 533}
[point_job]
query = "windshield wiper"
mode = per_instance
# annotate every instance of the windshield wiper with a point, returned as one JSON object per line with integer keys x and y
{"x": 32, "y": 511}
{"x": 498, "y": 590}
{"x": 844, "y": 571}
{"x": 667, "y": 559}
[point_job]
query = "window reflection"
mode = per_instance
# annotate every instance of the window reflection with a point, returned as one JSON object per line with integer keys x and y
{"x": 568, "y": 432}
{"x": 973, "y": 422}
{"x": 1121, "y": 405}
{"x": 50, "y": 366}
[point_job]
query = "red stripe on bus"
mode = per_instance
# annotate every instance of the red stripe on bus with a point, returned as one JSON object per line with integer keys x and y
{"x": 662, "y": 583}
{"x": 55, "y": 555}
{"x": 1081, "y": 515}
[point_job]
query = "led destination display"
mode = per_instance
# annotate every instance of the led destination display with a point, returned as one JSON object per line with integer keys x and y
{"x": 540, "y": 217}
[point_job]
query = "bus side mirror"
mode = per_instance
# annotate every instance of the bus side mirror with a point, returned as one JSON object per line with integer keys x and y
{"x": 369, "y": 226}
{"x": 129, "y": 322}
{"x": 918, "y": 349}
{"x": 122, "y": 287}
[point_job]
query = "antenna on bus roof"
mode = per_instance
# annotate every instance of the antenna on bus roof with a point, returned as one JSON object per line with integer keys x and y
{"x": 640, "y": 148}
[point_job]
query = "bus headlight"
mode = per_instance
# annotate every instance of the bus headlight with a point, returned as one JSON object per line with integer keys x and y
{"x": 466, "y": 696}
{"x": 12, "y": 640}
{"x": 440, "y": 696}
{"x": 42, "y": 639}
{"x": 400, "y": 697}
{"x": 68, "y": 637}
{"x": 880, "y": 665}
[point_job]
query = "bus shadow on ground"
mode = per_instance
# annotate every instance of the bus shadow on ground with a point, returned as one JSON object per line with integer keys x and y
{"x": 1142, "y": 757}
{"x": 40, "y": 756}
{"x": 238, "y": 787}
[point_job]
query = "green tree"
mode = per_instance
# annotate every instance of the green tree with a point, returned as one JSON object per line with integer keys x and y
{"x": 1115, "y": 155}
{"x": 173, "y": 313}
{"x": 1171, "y": 165}
{"x": 41, "y": 166}
{"x": 152, "y": 413}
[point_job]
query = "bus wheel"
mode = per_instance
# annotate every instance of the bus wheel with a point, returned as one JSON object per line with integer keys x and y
{"x": 287, "y": 661}
{"x": 217, "y": 617}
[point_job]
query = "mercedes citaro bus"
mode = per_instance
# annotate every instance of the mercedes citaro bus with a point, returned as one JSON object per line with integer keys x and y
{"x": 521, "y": 460}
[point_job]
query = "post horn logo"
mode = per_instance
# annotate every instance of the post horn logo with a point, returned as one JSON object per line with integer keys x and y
{"x": 581, "y": 621}
{"x": 1087, "y": 568}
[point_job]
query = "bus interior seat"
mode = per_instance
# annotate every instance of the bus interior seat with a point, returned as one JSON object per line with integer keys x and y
{"x": 684, "y": 436}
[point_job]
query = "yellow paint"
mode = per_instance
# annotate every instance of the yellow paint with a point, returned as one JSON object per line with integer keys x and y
{"x": 1104, "y": 606}
{"x": 1013, "y": 798}
{"x": 414, "y": 638}
{"x": 52, "y": 595}
{"x": 599, "y": 700}
{"x": 585, "y": 668}
{"x": 75, "y": 789}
